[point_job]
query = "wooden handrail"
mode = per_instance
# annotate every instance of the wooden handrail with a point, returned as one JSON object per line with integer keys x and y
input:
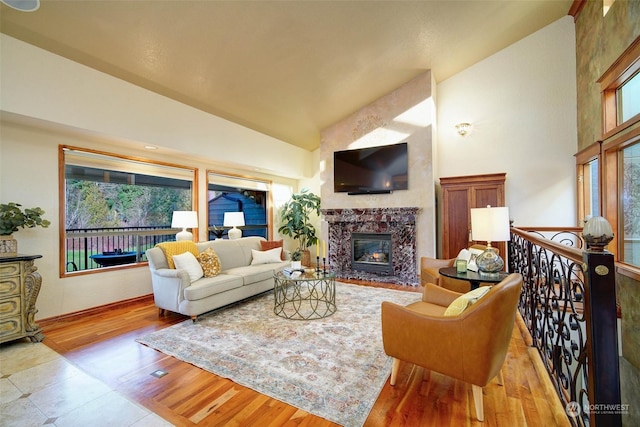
{"x": 566, "y": 251}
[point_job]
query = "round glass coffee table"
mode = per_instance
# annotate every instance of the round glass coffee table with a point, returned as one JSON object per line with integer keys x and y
{"x": 305, "y": 297}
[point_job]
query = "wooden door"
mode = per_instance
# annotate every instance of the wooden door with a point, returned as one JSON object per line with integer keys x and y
{"x": 456, "y": 203}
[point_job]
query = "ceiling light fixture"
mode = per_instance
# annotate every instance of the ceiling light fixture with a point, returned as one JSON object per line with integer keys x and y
{"x": 463, "y": 128}
{"x": 23, "y": 5}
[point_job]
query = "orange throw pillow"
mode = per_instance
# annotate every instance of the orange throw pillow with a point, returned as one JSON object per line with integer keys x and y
{"x": 265, "y": 245}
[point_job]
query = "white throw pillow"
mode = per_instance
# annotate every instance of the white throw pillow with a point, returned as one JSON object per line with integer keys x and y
{"x": 266, "y": 257}
{"x": 188, "y": 262}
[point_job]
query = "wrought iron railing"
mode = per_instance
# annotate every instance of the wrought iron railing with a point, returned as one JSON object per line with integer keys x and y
{"x": 569, "y": 326}
{"x": 568, "y": 236}
{"x": 91, "y": 248}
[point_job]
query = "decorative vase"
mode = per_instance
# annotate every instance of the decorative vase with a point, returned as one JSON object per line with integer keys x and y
{"x": 8, "y": 246}
{"x": 489, "y": 262}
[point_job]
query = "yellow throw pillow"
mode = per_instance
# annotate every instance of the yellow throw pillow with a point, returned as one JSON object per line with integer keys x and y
{"x": 210, "y": 262}
{"x": 176, "y": 248}
{"x": 460, "y": 304}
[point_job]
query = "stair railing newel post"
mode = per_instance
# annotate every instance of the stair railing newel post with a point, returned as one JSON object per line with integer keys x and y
{"x": 602, "y": 325}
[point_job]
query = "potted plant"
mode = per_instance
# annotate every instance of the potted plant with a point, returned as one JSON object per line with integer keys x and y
{"x": 13, "y": 218}
{"x": 295, "y": 221}
{"x": 296, "y": 259}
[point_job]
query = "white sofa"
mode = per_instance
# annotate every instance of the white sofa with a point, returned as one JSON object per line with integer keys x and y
{"x": 238, "y": 279}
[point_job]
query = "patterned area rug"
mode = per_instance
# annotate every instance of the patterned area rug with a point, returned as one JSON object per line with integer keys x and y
{"x": 334, "y": 368}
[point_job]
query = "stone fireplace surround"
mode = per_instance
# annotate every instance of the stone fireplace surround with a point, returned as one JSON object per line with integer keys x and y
{"x": 399, "y": 222}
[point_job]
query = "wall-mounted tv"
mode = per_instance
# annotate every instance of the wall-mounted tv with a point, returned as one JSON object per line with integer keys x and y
{"x": 371, "y": 170}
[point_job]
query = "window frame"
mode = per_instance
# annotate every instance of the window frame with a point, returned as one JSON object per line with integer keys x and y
{"x": 62, "y": 202}
{"x": 616, "y": 137}
{"x": 583, "y": 159}
{"x": 617, "y": 75}
{"x": 240, "y": 177}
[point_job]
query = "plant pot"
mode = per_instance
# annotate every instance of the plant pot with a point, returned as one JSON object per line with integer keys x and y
{"x": 8, "y": 246}
{"x": 306, "y": 258}
{"x": 296, "y": 264}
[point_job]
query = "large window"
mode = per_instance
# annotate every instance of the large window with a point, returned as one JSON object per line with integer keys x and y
{"x": 620, "y": 157}
{"x": 116, "y": 207}
{"x": 227, "y": 193}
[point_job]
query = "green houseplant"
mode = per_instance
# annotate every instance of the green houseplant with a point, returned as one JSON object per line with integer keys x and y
{"x": 296, "y": 258}
{"x": 295, "y": 220}
{"x": 13, "y": 218}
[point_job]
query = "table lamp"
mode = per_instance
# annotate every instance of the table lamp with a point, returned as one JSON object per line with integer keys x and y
{"x": 234, "y": 219}
{"x": 184, "y": 220}
{"x": 490, "y": 225}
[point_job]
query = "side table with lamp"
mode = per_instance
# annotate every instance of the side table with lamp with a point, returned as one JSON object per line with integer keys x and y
{"x": 490, "y": 225}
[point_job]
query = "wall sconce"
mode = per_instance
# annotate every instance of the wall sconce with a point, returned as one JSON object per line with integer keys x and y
{"x": 463, "y": 128}
{"x": 184, "y": 220}
{"x": 234, "y": 219}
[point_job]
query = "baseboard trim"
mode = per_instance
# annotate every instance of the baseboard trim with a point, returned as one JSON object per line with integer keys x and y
{"x": 95, "y": 310}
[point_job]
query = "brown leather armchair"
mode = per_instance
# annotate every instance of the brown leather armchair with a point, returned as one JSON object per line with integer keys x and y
{"x": 470, "y": 347}
{"x": 429, "y": 273}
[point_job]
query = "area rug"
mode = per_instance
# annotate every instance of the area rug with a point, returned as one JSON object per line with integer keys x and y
{"x": 334, "y": 368}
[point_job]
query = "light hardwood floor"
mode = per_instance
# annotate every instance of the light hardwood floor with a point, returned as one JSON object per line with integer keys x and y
{"x": 102, "y": 343}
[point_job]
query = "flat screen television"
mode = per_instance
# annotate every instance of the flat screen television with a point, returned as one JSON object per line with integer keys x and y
{"x": 371, "y": 170}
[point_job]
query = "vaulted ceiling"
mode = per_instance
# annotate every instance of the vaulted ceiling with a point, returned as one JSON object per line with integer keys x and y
{"x": 284, "y": 68}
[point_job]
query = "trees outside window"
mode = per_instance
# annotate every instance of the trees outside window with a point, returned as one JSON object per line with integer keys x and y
{"x": 113, "y": 204}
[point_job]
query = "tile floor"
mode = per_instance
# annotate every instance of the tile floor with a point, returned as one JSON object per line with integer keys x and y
{"x": 38, "y": 387}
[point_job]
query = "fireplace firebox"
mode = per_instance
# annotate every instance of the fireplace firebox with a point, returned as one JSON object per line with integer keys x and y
{"x": 372, "y": 252}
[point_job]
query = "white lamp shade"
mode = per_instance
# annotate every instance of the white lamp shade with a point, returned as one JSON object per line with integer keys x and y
{"x": 233, "y": 219}
{"x": 490, "y": 224}
{"x": 184, "y": 219}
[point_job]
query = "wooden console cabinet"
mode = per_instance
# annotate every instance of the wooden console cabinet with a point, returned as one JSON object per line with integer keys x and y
{"x": 459, "y": 195}
{"x": 19, "y": 289}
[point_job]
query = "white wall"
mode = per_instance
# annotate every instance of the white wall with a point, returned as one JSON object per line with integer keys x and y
{"x": 521, "y": 103}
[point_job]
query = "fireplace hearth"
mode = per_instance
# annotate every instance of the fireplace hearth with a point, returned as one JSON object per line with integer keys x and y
{"x": 377, "y": 244}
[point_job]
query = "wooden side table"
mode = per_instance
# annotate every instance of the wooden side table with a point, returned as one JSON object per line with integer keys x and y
{"x": 19, "y": 288}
